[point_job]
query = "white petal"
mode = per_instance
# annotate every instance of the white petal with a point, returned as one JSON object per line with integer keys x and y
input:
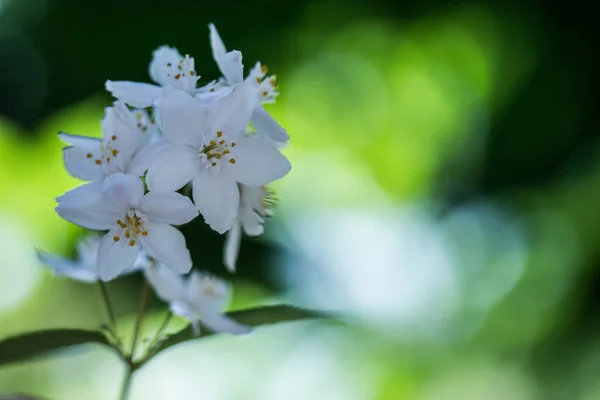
{"x": 167, "y": 284}
{"x": 76, "y": 157}
{"x": 124, "y": 190}
{"x": 168, "y": 207}
{"x": 144, "y": 156}
{"x": 182, "y": 118}
{"x": 89, "y": 208}
{"x": 159, "y": 66}
{"x": 258, "y": 162}
{"x": 121, "y": 137}
{"x": 232, "y": 67}
{"x": 167, "y": 245}
{"x": 232, "y": 113}
{"x": 173, "y": 168}
{"x": 231, "y": 247}
{"x": 251, "y": 221}
{"x": 230, "y": 63}
{"x": 64, "y": 267}
{"x": 115, "y": 257}
{"x": 266, "y": 126}
{"x": 140, "y": 95}
{"x": 217, "y": 197}
{"x": 221, "y": 323}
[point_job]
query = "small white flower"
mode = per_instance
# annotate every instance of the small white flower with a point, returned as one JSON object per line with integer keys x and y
{"x": 85, "y": 267}
{"x": 253, "y": 209}
{"x": 92, "y": 159}
{"x": 133, "y": 220}
{"x": 265, "y": 88}
{"x": 200, "y": 298}
{"x": 168, "y": 68}
{"x": 209, "y": 149}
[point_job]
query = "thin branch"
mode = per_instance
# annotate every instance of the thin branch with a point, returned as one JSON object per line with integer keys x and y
{"x": 145, "y": 296}
{"x": 126, "y": 383}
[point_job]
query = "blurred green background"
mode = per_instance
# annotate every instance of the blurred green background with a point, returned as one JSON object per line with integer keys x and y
{"x": 444, "y": 196}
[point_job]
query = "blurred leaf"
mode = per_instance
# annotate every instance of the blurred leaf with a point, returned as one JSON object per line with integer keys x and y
{"x": 254, "y": 317}
{"x": 19, "y": 397}
{"x": 35, "y": 344}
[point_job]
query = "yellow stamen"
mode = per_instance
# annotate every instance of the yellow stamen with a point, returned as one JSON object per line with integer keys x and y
{"x": 219, "y": 133}
{"x": 116, "y": 238}
{"x": 132, "y": 243}
{"x": 144, "y": 233}
{"x": 89, "y": 155}
{"x": 98, "y": 162}
{"x": 232, "y": 161}
{"x": 114, "y": 137}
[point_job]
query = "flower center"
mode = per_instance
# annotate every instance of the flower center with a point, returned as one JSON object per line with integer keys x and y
{"x": 217, "y": 151}
{"x": 108, "y": 151}
{"x": 131, "y": 227}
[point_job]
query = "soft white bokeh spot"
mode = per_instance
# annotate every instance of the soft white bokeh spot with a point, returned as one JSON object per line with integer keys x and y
{"x": 19, "y": 269}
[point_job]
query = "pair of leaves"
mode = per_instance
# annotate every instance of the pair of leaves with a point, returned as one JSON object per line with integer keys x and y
{"x": 40, "y": 343}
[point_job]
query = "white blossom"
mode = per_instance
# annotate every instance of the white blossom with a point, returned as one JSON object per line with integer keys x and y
{"x": 254, "y": 207}
{"x": 264, "y": 88}
{"x": 200, "y": 298}
{"x": 168, "y": 68}
{"x": 91, "y": 158}
{"x": 210, "y": 149}
{"x": 133, "y": 219}
{"x": 85, "y": 267}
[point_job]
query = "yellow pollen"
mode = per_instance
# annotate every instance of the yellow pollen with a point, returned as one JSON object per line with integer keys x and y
{"x": 217, "y": 156}
{"x": 98, "y": 162}
{"x": 264, "y": 69}
{"x": 179, "y": 67}
{"x": 136, "y": 229}
{"x": 115, "y": 152}
{"x": 265, "y": 93}
{"x": 222, "y": 142}
{"x": 213, "y": 143}
{"x": 232, "y": 161}
{"x": 192, "y": 73}
{"x": 139, "y": 124}
{"x": 121, "y": 224}
{"x": 177, "y": 76}
{"x": 219, "y": 133}
{"x": 169, "y": 64}
{"x": 226, "y": 152}
{"x": 144, "y": 233}
{"x": 144, "y": 128}
{"x": 127, "y": 234}
{"x": 232, "y": 144}
{"x": 114, "y": 137}
{"x": 132, "y": 243}
{"x": 258, "y": 80}
{"x": 116, "y": 238}
{"x": 152, "y": 121}
{"x": 212, "y": 90}
{"x": 89, "y": 155}
{"x": 107, "y": 159}
{"x": 214, "y": 163}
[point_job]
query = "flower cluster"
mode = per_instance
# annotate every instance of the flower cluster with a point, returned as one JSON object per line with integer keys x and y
{"x": 158, "y": 138}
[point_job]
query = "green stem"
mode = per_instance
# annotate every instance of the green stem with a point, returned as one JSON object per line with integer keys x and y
{"x": 109, "y": 309}
{"x": 126, "y": 383}
{"x": 140, "y": 316}
{"x": 164, "y": 325}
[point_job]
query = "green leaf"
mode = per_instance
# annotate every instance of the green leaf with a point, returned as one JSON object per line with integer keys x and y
{"x": 35, "y": 344}
{"x": 258, "y": 316}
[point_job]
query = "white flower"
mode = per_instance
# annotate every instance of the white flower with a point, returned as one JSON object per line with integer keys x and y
{"x": 168, "y": 68}
{"x": 132, "y": 219}
{"x": 209, "y": 149}
{"x": 85, "y": 267}
{"x": 199, "y": 298}
{"x": 92, "y": 159}
{"x": 265, "y": 89}
{"x": 253, "y": 208}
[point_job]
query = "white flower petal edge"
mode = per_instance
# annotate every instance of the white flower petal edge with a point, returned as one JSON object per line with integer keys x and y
{"x": 140, "y": 95}
{"x": 199, "y": 298}
{"x": 119, "y": 207}
{"x": 61, "y": 266}
{"x": 231, "y": 247}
